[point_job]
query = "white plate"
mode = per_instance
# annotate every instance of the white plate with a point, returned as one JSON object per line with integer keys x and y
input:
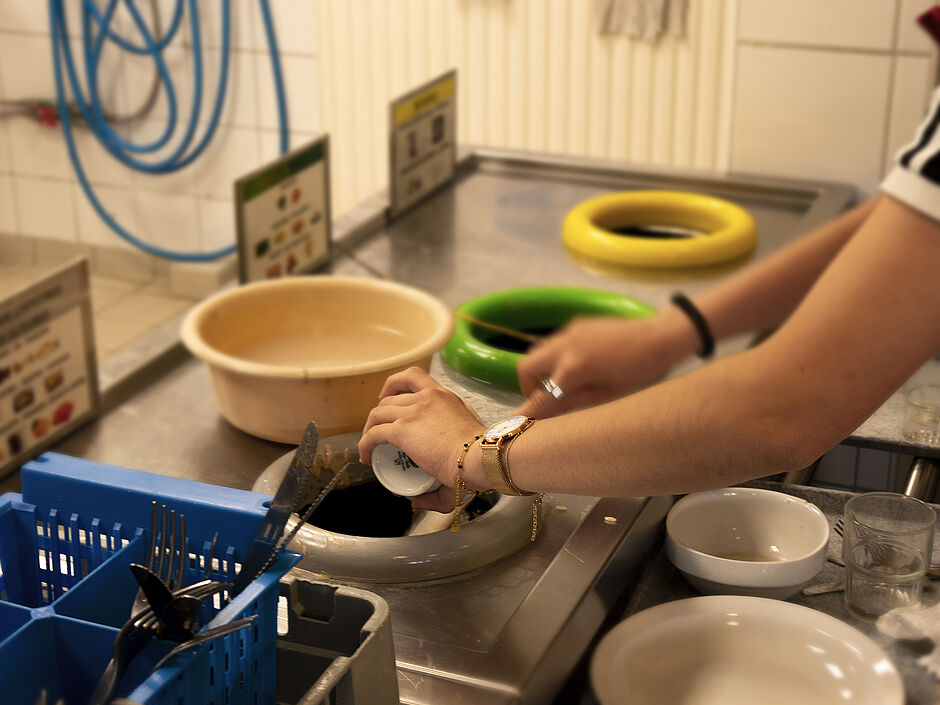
{"x": 736, "y": 650}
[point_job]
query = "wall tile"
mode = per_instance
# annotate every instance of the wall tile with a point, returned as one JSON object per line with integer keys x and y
{"x": 100, "y": 167}
{"x": 295, "y": 27}
{"x": 217, "y": 223}
{"x": 910, "y": 35}
{"x": 26, "y": 66}
{"x": 45, "y": 207}
{"x": 9, "y": 223}
{"x": 165, "y": 220}
{"x": 300, "y": 85}
{"x": 861, "y": 24}
{"x": 170, "y": 221}
{"x": 810, "y": 114}
{"x": 27, "y": 17}
{"x": 6, "y": 158}
{"x": 17, "y": 250}
{"x": 241, "y": 95}
{"x": 92, "y": 230}
{"x": 55, "y": 252}
{"x": 913, "y": 77}
{"x": 243, "y": 18}
{"x": 37, "y": 150}
{"x": 233, "y": 153}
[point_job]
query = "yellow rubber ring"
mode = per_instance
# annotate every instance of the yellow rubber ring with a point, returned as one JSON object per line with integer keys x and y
{"x": 730, "y": 231}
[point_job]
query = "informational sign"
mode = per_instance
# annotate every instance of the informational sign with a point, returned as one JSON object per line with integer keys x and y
{"x": 283, "y": 215}
{"x": 423, "y": 142}
{"x": 48, "y": 367}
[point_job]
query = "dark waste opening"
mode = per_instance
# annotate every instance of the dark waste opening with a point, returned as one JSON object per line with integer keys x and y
{"x": 368, "y": 509}
{"x": 658, "y": 232}
{"x": 508, "y": 342}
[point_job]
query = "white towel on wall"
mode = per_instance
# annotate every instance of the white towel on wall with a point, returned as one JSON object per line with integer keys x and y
{"x": 640, "y": 19}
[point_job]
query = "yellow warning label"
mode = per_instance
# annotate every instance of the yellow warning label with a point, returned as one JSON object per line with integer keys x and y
{"x": 425, "y": 100}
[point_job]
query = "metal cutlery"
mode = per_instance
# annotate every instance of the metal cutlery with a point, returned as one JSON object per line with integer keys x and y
{"x": 263, "y": 549}
{"x": 134, "y": 635}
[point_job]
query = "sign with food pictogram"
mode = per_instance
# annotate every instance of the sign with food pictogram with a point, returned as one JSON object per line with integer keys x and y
{"x": 283, "y": 215}
{"x": 48, "y": 368}
{"x": 422, "y": 142}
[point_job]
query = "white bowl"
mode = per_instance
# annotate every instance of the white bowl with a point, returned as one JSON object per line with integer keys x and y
{"x": 282, "y": 353}
{"x": 734, "y": 650}
{"x": 743, "y": 541}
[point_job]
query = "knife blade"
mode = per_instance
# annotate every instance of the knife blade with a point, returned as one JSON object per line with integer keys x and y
{"x": 265, "y": 544}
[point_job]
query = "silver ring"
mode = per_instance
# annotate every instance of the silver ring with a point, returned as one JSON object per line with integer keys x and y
{"x": 551, "y": 386}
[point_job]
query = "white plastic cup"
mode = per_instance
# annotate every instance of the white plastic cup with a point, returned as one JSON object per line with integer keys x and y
{"x": 399, "y": 474}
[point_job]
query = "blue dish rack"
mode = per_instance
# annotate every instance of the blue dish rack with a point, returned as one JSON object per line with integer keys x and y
{"x": 65, "y": 587}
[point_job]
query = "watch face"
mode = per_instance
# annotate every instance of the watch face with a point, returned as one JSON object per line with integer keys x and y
{"x": 505, "y": 427}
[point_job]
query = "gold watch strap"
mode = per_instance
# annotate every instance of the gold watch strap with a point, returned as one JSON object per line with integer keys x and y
{"x": 493, "y": 466}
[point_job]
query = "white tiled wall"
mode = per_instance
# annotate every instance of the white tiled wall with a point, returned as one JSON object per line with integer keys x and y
{"x": 826, "y": 89}
{"x": 189, "y": 210}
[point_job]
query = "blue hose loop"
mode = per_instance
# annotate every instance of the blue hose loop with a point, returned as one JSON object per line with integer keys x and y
{"x": 117, "y": 146}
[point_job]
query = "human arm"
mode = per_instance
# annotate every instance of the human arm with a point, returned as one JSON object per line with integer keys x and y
{"x": 598, "y": 359}
{"x": 870, "y": 320}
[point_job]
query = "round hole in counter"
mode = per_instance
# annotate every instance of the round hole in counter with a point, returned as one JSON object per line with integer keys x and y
{"x": 659, "y": 229}
{"x": 495, "y": 526}
{"x": 492, "y": 356}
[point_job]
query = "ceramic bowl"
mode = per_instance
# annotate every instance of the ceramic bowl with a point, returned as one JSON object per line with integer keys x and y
{"x": 743, "y": 541}
{"x": 736, "y": 650}
{"x": 281, "y": 353}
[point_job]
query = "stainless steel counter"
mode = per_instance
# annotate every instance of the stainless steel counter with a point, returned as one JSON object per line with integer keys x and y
{"x": 497, "y": 228}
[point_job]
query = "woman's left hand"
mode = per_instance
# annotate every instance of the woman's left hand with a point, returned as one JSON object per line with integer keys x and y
{"x": 426, "y": 421}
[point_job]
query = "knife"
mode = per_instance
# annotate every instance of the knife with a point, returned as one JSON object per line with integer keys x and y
{"x": 264, "y": 547}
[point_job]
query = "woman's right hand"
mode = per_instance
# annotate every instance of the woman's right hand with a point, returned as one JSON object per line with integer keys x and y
{"x": 599, "y": 358}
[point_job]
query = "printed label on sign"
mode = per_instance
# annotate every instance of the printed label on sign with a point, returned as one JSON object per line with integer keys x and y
{"x": 48, "y": 368}
{"x": 283, "y": 215}
{"x": 423, "y": 142}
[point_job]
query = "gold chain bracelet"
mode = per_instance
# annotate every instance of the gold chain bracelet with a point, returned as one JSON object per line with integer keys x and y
{"x": 460, "y": 487}
{"x": 536, "y": 496}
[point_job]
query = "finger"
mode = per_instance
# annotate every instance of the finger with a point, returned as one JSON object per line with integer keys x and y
{"x": 441, "y": 500}
{"x": 414, "y": 379}
{"x": 541, "y": 405}
{"x": 534, "y": 368}
{"x": 373, "y": 436}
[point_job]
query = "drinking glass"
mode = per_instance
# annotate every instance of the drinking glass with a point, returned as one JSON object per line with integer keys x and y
{"x": 887, "y": 546}
{"x": 922, "y": 414}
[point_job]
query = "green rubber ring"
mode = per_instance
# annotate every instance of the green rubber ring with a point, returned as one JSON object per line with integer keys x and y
{"x": 528, "y": 309}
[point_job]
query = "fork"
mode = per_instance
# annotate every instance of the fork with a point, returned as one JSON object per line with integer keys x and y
{"x": 134, "y": 635}
{"x": 157, "y": 584}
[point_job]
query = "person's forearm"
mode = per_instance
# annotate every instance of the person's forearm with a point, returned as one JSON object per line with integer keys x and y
{"x": 719, "y": 425}
{"x": 762, "y": 296}
{"x": 866, "y": 325}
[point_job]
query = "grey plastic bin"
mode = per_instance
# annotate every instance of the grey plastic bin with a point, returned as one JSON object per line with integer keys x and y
{"x": 338, "y": 647}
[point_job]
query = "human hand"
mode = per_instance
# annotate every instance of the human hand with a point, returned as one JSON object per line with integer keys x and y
{"x": 426, "y": 421}
{"x": 599, "y": 358}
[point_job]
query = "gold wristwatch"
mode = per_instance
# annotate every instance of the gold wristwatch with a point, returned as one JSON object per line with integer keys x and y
{"x": 500, "y": 434}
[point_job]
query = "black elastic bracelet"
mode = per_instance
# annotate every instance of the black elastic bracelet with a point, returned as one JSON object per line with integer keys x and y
{"x": 698, "y": 320}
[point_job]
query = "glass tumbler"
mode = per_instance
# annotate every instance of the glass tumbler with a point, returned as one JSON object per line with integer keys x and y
{"x": 887, "y": 545}
{"x": 921, "y": 422}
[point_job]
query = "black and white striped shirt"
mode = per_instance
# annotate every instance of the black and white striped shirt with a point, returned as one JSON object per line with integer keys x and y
{"x": 915, "y": 178}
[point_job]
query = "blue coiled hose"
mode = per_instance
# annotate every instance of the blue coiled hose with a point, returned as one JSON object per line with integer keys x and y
{"x": 96, "y": 26}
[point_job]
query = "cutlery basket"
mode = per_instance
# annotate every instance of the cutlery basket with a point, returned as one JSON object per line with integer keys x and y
{"x": 65, "y": 586}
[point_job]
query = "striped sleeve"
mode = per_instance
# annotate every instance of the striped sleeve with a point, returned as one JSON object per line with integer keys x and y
{"x": 915, "y": 178}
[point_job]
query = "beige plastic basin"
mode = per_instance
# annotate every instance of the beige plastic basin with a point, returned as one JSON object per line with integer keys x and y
{"x": 284, "y": 352}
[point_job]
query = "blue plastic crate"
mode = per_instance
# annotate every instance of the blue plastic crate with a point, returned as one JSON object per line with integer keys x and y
{"x": 65, "y": 587}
